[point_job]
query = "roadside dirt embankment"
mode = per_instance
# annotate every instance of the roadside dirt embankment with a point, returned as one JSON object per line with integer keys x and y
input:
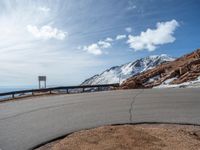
{"x": 131, "y": 137}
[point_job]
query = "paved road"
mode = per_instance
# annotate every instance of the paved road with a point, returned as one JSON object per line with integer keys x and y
{"x": 27, "y": 123}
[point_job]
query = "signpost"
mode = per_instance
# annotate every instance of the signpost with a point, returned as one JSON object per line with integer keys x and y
{"x": 42, "y": 79}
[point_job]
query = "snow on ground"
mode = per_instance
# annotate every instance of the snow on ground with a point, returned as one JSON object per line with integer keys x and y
{"x": 153, "y": 79}
{"x": 189, "y": 84}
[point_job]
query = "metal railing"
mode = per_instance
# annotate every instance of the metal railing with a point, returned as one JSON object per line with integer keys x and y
{"x": 67, "y": 88}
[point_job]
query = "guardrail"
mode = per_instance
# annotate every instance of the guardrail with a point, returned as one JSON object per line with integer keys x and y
{"x": 67, "y": 88}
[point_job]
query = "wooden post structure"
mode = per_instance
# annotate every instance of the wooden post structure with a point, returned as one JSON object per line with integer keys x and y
{"x": 42, "y": 79}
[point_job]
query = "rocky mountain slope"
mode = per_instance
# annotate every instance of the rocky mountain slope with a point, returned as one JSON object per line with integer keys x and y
{"x": 121, "y": 73}
{"x": 182, "y": 71}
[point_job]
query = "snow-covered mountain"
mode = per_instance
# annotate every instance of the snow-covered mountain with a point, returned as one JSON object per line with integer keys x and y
{"x": 120, "y": 73}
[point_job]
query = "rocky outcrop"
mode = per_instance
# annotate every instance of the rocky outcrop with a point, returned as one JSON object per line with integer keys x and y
{"x": 183, "y": 69}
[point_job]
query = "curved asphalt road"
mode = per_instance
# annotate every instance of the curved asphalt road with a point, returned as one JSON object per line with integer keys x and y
{"x": 27, "y": 123}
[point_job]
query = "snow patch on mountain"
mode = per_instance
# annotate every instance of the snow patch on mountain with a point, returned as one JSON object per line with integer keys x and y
{"x": 189, "y": 84}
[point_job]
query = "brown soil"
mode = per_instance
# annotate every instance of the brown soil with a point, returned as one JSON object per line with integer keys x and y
{"x": 131, "y": 137}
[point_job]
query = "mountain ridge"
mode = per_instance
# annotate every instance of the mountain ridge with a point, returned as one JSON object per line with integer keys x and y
{"x": 122, "y": 72}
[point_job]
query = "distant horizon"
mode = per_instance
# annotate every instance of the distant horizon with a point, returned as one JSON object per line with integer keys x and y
{"x": 71, "y": 41}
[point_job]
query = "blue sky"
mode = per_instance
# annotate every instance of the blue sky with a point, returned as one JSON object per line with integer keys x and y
{"x": 69, "y": 41}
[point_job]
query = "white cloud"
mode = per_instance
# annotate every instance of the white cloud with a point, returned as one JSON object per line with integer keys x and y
{"x": 97, "y": 48}
{"x": 134, "y": 7}
{"x": 46, "y": 32}
{"x": 131, "y": 7}
{"x": 151, "y": 38}
{"x": 128, "y": 29}
{"x": 93, "y": 49}
{"x": 104, "y": 44}
{"x": 108, "y": 39}
{"x": 44, "y": 9}
{"x": 120, "y": 37}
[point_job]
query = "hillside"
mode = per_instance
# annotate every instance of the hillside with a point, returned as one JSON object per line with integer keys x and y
{"x": 182, "y": 71}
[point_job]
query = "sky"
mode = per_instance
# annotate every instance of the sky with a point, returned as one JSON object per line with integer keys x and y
{"x": 69, "y": 41}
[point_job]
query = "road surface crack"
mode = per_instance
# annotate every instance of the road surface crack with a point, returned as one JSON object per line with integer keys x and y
{"x": 131, "y": 106}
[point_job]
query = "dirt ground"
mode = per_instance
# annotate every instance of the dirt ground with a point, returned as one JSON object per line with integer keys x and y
{"x": 131, "y": 137}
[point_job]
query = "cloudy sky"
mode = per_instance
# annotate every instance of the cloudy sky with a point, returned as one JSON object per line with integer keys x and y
{"x": 69, "y": 41}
